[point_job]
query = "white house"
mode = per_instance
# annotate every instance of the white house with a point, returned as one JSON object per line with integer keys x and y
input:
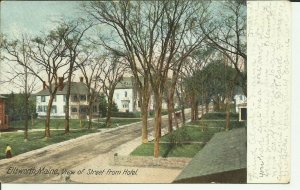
{"x": 240, "y": 104}
{"x": 78, "y": 101}
{"x": 126, "y": 97}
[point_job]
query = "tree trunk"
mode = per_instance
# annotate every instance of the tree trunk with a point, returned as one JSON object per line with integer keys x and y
{"x": 183, "y": 114}
{"x": 157, "y": 123}
{"x": 26, "y": 116}
{"x": 170, "y": 115}
{"x": 228, "y": 116}
{"x": 196, "y": 110}
{"x": 47, "y": 122}
{"x": 32, "y": 120}
{"x": 144, "y": 110}
{"x": 109, "y": 110}
{"x": 26, "y": 106}
{"x": 175, "y": 118}
{"x": 90, "y": 109}
{"x": 67, "y": 108}
{"x": 67, "y": 114}
{"x": 181, "y": 106}
{"x": 192, "y": 108}
{"x": 206, "y": 103}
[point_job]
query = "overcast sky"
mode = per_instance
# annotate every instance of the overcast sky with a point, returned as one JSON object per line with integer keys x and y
{"x": 34, "y": 16}
{"x": 31, "y": 17}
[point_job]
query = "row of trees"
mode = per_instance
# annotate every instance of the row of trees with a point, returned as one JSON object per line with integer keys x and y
{"x": 158, "y": 38}
{"x": 174, "y": 45}
{"x": 54, "y": 58}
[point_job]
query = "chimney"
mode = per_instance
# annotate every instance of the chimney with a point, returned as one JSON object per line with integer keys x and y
{"x": 81, "y": 79}
{"x": 60, "y": 83}
{"x": 44, "y": 85}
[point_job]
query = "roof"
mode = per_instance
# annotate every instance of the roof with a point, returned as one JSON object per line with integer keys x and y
{"x": 225, "y": 152}
{"x": 76, "y": 88}
{"x": 242, "y": 104}
{"x": 126, "y": 83}
{"x": 2, "y": 96}
{"x": 238, "y": 90}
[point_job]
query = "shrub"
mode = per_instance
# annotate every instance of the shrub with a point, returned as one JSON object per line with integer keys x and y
{"x": 126, "y": 114}
{"x": 177, "y": 137}
{"x": 219, "y": 115}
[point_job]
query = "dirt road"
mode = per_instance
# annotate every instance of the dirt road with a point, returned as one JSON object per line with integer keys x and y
{"x": 68, "y": 155}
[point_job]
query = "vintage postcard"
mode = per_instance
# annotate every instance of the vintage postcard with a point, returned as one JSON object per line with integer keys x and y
{"x": 145, "y": 92}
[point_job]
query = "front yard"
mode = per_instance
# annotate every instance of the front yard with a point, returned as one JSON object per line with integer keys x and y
{"x": 74, "y": 123}
{"x": 36, "y": 137}
{"x": 190, "y": 139}
{"x": 36, "y": 140}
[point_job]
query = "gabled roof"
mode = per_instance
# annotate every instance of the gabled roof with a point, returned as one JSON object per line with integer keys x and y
{"x": 2, "y": 96}
{"x": 76, "y": 88}
{"x": 125, "y": 83}
{"x": 223, "y": 155}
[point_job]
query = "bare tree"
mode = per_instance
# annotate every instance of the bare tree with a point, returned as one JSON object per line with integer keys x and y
{"x": 150, "y": 34}
{"x": 229, "y": 36}
{"x": 49, "y": 54}
{"x": 73, "y": 34}
{"x": 109, "y": 75}
{"x": 18, "y": 61}
{"x": 91, "y": 68}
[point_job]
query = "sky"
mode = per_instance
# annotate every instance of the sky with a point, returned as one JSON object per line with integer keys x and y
{"x": 32, "y": 17}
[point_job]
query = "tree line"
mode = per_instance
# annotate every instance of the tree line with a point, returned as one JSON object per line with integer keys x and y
{"x": 194, "y": 51}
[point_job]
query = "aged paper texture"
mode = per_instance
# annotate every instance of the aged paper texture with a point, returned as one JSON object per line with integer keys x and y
{"x": 269, "y": 91}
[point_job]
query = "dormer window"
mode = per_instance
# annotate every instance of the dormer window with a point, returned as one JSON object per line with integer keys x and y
{"x": 82, "y": 97}
{"x": 43, "y": 99}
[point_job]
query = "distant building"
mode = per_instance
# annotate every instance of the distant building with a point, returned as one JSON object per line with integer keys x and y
{"x": 3, "y": 116}
{"x": 126, "y": 96}
{"x": 240, "y": 104}
{"x": 78, "y": 101}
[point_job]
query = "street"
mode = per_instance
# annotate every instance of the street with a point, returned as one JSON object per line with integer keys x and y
{"x": 70, "y": 155}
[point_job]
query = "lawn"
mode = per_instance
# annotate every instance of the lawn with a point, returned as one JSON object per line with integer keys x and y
{"x": 168, "y": 150}
{"x": 74, "y": 123}
{"x": 220, "y": 116}
{"x": 183, "y": 142}
{"x": 36, "y": 140}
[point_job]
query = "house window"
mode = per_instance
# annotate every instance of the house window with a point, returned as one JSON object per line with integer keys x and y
{"x": 54, "y": 99}
{"x": 243, "y": 114}
{"x": 83, "y": 109}
{"x": 125, "y": 93}
{"x": 45, "y": 108}
{"x": 125, "y": 105}
{"x": 43, "y": 99}
{"x": 65, "y": 108}
{"x": 117, "y": 96}
{"x": 54, "y": 109}
{"x": 95, "y": 108}
{"x": 241, "y": 97}
{"x": 75, "y": 98}
{"x": 74, "y": 109}
{"x": 40, "y": 108}
{"x": 65, "y": 98}
{"x": 82, "y": 97}
{"x": 139, "y": 104}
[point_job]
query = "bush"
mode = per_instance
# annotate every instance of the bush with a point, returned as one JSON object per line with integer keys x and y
{"x": 163, "y": 112}
{"x": 220, "y": 115}
{"x": 179, "y": 135}
{"x": 126, "y": 114}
